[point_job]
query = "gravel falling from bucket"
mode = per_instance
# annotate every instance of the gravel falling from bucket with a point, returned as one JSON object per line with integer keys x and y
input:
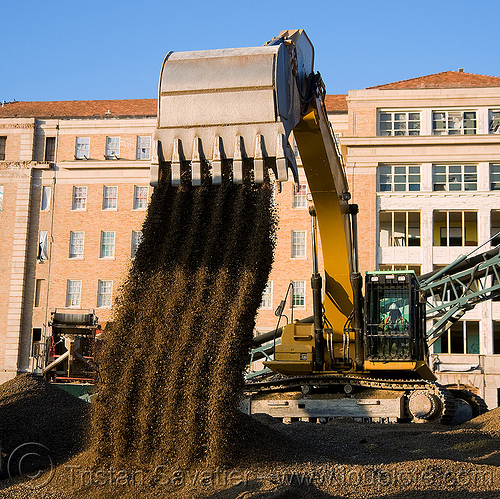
{"x": 171, "y": 367}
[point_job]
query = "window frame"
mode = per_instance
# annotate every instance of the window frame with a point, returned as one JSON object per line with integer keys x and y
{"x": 298, "y": 300}
{"x": 447, "y": 225}
{"x": 299, "y": 201}
{"x": 140, "y": 202}
{"x": 466, "y": 326}
{"x": 112, "y": 147}
{"x": 266, "y": 302}
{"x": 49, "y": 154}
{"x": 136, "y": 240}
{"x": 408, "y": 238}
{"x": 45, "y": 200}
{"x": 397, "y": 171}
{"x": 494, "y": 121}
{"x": 69, "y": 292}
{"x": 76, "y": 198}
{"x": 450, "y": 185}
{"x": 494, "y": 177}
{"x": 107, "y": 247}
{"x": 109, "y": 202}
{"x": 82, "y": 145}
{"x": 450, "y": 115}
{"x": 143, "y": 152}
{"x": 3, "y": 146}
{"x": 104, "y": 297}
{"x": 74, "y": 244}
{"x": 299, "y": 248}
{"x": 394, "y": 131}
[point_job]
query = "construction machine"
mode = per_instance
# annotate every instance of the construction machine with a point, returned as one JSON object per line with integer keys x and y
{"x": 228, "y": 115}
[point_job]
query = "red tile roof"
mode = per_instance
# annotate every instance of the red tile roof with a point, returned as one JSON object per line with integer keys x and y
{"x": 446, "y": 79}
{"x": 79, "y": 109}
{"x": 336, "y": 103}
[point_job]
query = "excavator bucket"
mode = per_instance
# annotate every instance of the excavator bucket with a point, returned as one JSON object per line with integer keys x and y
{"x": 231, "y": 109}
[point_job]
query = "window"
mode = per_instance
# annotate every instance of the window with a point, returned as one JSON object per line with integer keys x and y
{"x": 298, "y": 243}
{"x": 73, "y": 293}
{"x": 76, "y": 244}
{"x": 3, "y": 140}
{"x": 50, "y": 149}
{"x": 400, "y": 266}
{"x": 112, "y": 147}
{"x": 46, "y": 191}
{"x": 398, "y": 178}
{"x": 43, "y": 240}
{"x": 104, "y": 294}
{"x": 494, "y": 122}
{"x": 299, "y": 294}
{"x": 107, "y": 244}
{"x": 399, "y": 123}
{"x": 143, "y": 147}
{"x": 36, "y": 342}
{"x": 82, "y": 148}
{"x": 462, "y": 337}
{"x": 455, "y": 228}
{"x": 109, "y": 198}
{"x": 1, "y": 197}
{"x": 79, "y": 198}
{"x": 299, "y": 196}
{"x": 141, "y": 193}
{"x": 454, "y": 122}
{"x": 495, "y": 227}
{"x": 454, "y": 177}
{"x": 267, "y": 297}
{"x": 38, "y": 292}
{"x": 136, "y": 241}
{"x": 399, "y": 228}
{"x": 496, "y": 337}
{"x": 495, "y": 177}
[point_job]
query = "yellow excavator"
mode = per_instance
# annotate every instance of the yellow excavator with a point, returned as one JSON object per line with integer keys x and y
{"x": 360, "y": 356}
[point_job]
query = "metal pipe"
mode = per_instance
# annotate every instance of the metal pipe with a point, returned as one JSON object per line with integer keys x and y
{"x": 316, "y": 286}
{"x": 353, "y": 211}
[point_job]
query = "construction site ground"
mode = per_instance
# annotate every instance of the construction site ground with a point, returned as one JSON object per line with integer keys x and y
{"x": 338, "y": 459}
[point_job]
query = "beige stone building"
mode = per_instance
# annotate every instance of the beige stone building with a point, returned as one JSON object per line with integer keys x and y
{"x": 423, "y": 161}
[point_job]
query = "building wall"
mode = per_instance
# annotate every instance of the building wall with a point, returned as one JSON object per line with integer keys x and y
{"x": 366, "y": 151}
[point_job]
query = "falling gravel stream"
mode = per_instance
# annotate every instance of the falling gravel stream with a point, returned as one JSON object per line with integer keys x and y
{"x": 172, "y": 362}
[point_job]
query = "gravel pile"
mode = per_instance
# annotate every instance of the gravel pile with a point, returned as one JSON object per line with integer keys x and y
{"x": 32, "y": 410}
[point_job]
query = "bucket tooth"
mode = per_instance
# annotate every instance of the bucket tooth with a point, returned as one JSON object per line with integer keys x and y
{"x": 217, "y": 161}
{"x": 196, "y": 162}
{"x": 281, "y": 146}
{"x": 258, "y": 162}
{"x": 238, "y": 160}
{"x": 176, "y": 162}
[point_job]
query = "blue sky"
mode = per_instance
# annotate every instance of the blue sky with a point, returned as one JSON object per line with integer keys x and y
{"x": 64, "y": 50}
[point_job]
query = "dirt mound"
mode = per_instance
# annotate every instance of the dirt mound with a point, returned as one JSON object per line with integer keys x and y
{"x": 488, "y": 422}
{"x": 32, "y": 410}
{"x": 172, "y": 363}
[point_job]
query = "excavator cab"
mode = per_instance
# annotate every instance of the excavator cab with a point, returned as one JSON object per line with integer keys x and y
{"x": 394, "y": 318}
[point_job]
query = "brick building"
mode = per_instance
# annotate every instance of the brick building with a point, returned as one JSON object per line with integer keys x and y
{"x": 74, "y": 184}
{"x": 423, "y": 161}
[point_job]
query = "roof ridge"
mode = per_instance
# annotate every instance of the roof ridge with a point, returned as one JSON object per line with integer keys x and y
{"x": 443, "y": 84}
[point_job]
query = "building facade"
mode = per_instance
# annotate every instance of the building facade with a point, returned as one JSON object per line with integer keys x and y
{"x": 74, "y": 189}
{"x": 423, "y": 162}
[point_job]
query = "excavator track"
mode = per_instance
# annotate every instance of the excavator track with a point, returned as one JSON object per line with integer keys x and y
{"x": 424, "y": 401}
